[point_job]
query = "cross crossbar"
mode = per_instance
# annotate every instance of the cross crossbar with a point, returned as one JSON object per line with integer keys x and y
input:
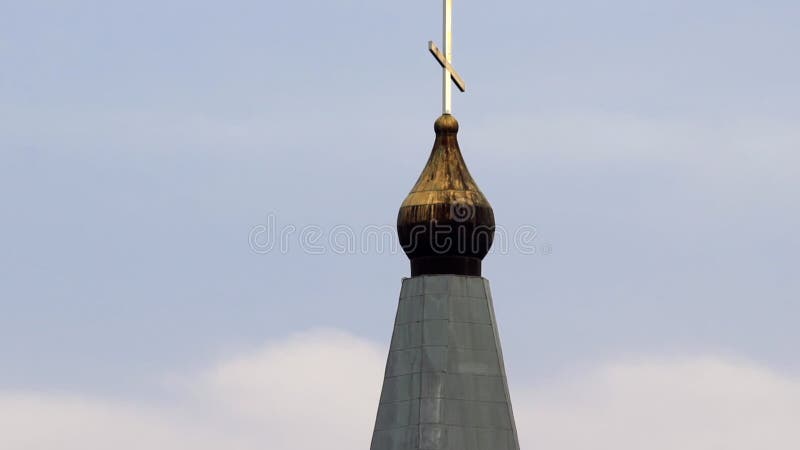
{"x": 462, "y": 86}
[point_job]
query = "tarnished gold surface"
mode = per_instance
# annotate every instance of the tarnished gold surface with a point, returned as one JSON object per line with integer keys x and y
{"x": 445, "y": 178}
{"x": 446, "y": 197}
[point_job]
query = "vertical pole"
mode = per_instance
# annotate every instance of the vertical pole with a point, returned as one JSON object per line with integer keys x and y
{"x": 447, "y": 88}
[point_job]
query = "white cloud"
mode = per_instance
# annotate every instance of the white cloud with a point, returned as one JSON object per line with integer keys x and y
{"x": 311, "y": 391}
{"x": 320, "y": 390}
{"x": 692, "y": 404}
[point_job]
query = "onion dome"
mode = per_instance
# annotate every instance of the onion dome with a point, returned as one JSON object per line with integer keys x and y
{"x": 446, "y": 225}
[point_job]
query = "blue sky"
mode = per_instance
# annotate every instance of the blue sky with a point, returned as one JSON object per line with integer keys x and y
{"x": 654, "y": 146}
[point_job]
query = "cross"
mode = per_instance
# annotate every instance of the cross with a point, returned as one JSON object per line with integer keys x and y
{"x": 445, "y": 59}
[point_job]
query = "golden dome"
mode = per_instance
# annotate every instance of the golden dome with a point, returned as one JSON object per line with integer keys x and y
{"x": 445, "y": 224}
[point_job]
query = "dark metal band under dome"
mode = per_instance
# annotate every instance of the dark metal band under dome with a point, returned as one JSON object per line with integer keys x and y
{"x": 446, "y": 265}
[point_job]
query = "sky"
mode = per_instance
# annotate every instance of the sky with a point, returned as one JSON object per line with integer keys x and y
{"x": 148, "y": 149}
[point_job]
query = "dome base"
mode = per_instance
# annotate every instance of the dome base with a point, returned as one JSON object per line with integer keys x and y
{"x": 446, "y": 265}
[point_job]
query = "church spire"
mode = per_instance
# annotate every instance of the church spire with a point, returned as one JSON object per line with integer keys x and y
{"x": 445, "y": 383}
